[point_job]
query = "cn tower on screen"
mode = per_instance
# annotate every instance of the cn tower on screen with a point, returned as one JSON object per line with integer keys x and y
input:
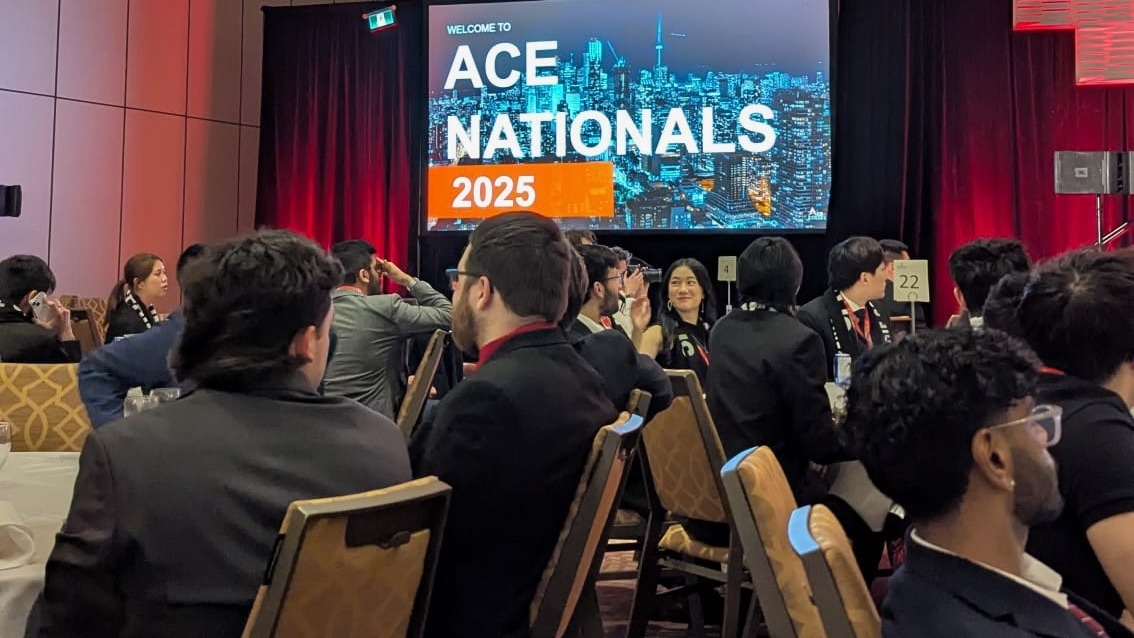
{"x": 659, "y": 46}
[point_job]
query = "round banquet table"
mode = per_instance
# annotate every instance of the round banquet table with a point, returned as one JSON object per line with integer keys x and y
{"x": 39, "y": 485}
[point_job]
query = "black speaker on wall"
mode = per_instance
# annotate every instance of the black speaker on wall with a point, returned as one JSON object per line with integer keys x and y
{"x": 1091, "y": 173}
{"x": 11, "y": 200}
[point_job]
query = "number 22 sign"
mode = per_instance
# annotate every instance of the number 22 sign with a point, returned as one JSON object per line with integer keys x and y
{"x": 911, "y": 280}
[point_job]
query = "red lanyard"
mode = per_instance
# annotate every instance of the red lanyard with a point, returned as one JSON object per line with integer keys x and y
{"x": 863, "y": 329}
{"x": 704, "y": 355}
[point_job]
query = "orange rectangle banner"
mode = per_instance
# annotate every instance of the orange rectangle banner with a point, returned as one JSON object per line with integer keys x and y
{"x": 477, "y": 191}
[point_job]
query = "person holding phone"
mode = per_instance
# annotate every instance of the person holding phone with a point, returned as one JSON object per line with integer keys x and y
{"x": 34, "y": 328}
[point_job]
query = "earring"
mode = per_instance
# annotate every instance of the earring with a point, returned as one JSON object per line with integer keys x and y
{"x": 668, "y": 305}
{"x": 1013, "y": 484}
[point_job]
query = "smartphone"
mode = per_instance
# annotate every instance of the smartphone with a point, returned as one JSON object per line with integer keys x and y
{"x": 39, "y": 307}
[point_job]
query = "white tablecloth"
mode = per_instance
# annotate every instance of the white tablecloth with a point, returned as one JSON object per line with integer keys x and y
{"x": 39, "y": 485}
{"x": 851, "y": 482}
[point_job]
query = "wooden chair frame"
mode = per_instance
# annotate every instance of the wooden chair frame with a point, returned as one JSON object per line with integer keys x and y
{"x": 768, "y": 593}
{"x": 627, "y": 537}
{"x": 654, "y": 559}
{"x": 416, "y": 505}
{"x": 418, "y": 391}
{"x": 824, "y": 587}
{"x": 569, "y": 598}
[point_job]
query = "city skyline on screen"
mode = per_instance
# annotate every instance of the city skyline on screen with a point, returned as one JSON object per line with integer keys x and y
{"x": 701, "y": 120}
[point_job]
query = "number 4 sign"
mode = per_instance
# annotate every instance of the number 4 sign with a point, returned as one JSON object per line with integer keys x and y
{"x": 726, "y": 269}
{"x": 911, "y": 280}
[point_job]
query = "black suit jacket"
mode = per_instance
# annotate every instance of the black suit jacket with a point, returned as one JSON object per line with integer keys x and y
{"x": 824, "y": 315}
{"x": 176, "y": 510}
{"x": 623, "y": 369}
{"x": 21, "y": 341}
{"x": 935, "y": 595}
{"x": 766, "y": 388}
{"x": 124, "y": 321}
{"x": 511, "y": 439}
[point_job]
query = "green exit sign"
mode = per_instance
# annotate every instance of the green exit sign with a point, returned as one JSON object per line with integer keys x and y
{"x": 381, "y": 19}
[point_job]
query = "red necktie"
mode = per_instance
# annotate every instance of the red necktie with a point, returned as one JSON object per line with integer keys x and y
{"x": 605, "y": 321}
{"x": 1085, "y": 618}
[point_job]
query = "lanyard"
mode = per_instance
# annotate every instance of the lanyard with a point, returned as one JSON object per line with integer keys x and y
{"x": 701, "y": 351}
{"x": 753, "y": 306}
{"x": 863, "y": 329}
{"x": 132, "y": 301}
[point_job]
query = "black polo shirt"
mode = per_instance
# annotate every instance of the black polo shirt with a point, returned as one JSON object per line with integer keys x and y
{"x": 1096, "y": 477}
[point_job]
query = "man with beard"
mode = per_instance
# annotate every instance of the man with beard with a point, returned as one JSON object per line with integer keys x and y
{"x": 947, "y": 425}
{"x": 604, "y": 284}
{"x": 372, "y": 329}
{"x": 513, "y": 437}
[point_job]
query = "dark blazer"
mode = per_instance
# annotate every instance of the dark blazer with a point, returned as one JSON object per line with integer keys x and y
{"x": 766, "y": 388}
{"x": 824, "y": 315}
{"x": 22, "y": 341}
{"x": 935, "y": 595}
{"x": 176, "y": 510}
{"x": 577, "y": 331}
{"x": 623, "y": 369}
{"x": 124, "y": 320}
{"x": 512, "y": 440}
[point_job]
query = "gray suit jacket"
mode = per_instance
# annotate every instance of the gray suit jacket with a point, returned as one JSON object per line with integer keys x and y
{"x": 369, "y": 362}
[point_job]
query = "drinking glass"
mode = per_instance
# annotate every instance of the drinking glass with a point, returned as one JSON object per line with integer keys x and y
{"x": 5, "y": 441}
{"x": 134, "y": 405}
{"x": 165, "y": 395}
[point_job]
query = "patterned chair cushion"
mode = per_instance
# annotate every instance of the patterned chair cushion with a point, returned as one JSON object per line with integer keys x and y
{"x": 352, "y": 591}
{"x": 771, "y": 502}
{"x": 42, "y": 403}
{"x": 683, "y": 476}
{"x": 859, "y": 605}
{"x": 676, "y": 539}
{"x": 96, "y": 310}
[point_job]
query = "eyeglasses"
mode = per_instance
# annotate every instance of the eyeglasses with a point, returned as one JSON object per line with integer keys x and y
{"x": 1045, "y": 423}
{"x": 455, "y": 275}
{"x": 619, "y": 278}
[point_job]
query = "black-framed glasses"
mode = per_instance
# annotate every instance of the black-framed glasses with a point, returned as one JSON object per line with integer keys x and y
{"x": 1045, "y": 423}
{"x": 455, "y": 275}
{"x": 619, "y": 278}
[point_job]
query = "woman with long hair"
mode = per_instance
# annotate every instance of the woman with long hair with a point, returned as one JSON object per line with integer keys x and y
{"x": 679, "y": 338}
{"x": 130, "y": 308}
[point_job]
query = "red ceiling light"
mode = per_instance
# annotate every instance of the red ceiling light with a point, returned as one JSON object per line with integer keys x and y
{"x": 1104, "y": 34}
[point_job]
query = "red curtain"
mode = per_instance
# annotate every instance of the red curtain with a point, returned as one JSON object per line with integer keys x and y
{"x": 336, "y": 139}
{"x": 983, "y": 111}
{"x": 1009, "y": 101}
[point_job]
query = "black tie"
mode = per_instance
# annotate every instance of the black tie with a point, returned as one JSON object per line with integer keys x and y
{"x": 861, "y": 314}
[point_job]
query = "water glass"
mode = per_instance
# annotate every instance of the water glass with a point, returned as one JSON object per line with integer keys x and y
{"x": 165, "y": 395}
{"x": 5, "y": 441}
{"x": 134, "y": 405}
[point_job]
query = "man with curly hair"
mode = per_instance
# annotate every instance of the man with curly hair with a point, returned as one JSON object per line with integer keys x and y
{"x": 947, "y": 425}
